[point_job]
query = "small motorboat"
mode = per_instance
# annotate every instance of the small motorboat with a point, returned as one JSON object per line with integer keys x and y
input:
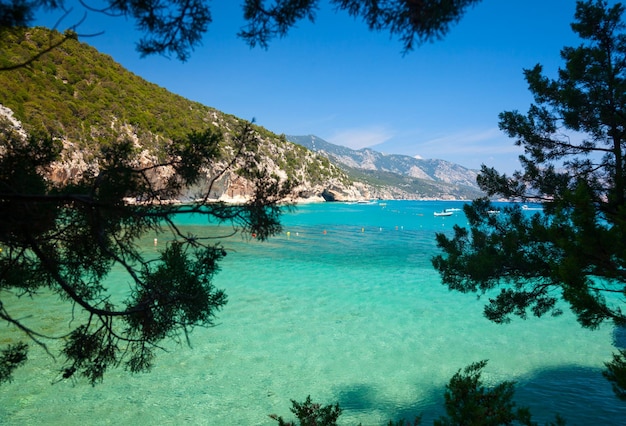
{"x": 443, "y": 213}
{"x": 525, "y": 207}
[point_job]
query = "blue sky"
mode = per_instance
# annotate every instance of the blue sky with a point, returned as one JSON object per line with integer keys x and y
{"x": 337, "y": 80}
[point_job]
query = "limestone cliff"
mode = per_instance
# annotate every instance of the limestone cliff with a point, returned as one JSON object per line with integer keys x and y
{"x": 313, "y": 173}
{"x": 87, "y": 100}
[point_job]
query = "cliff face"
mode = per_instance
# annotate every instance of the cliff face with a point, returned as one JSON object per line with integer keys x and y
{"x": 398, "y": 176}
{"x": 86, "y": 100}
{"x": 367, "y": 159}
{"x": 314, "y": 173}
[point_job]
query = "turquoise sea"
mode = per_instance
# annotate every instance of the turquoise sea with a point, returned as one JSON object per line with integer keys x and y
{"x": 344, "y": 306}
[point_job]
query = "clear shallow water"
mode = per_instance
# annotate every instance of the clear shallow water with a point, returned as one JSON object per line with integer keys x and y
{"x": 355, "y": 314}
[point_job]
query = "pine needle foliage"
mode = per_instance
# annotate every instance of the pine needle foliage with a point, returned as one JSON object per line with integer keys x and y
{"x": 64, "y": 239}
{"x": 573, "y": 254}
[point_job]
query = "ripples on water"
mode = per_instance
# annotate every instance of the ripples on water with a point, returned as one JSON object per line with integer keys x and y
{"x": 345, "y": 307}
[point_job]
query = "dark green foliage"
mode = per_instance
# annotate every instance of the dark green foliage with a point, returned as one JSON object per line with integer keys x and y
{"x": 10, "y": 358}
{"x": 139, "y": 142}
{"x": 65, "y": 237}
{"x": 75, "y": 93}
{"x": 176, "y": 26}
{"x": 616, "y": 374}
{"x": 199, "y": 147}
{"x": 172, "y": 27}
{"x": 480, "y": 260}
{"x": 469, "y": 402}
{"x": 311, "y": 414}
{"x": 175, "y": 292}
{"x": 574, "y": 138}
{"x": 413, "y": 22}
{"x": 416, "y": 422}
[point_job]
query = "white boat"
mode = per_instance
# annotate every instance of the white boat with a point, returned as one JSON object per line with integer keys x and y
{"x": 525, "y": 207}
{"x": 443, "y": 213}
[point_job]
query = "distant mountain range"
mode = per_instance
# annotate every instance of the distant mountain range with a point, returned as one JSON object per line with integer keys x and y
{"x": 398, "y": 174}
{"x": 86, "y": 100}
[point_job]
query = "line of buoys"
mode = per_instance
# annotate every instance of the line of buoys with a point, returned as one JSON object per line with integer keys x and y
{"x": 325, "y": 231}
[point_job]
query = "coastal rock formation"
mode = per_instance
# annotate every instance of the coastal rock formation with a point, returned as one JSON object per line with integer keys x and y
{"x": 86, "y": 100}
{"x": 312, "y": 172}
{"x": 336, "y": 194}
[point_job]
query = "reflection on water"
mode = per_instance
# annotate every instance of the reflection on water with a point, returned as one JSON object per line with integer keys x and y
{"x": 619, "y": 337}
{"x": 345, "y": 308}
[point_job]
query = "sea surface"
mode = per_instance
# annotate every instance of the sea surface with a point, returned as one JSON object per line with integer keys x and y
{"x": 343, "y": 306}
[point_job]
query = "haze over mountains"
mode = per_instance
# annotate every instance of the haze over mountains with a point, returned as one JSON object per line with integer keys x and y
{"x": 87, "y": 100}
{"x": 452, "y": 180}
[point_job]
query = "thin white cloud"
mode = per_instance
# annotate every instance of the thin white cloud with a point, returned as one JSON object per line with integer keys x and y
{"x": 472, "y": 148}
{"x": 358, "y": 138}
{"x": 481, "y": 142}
{"x": 467, "y": 147}
{"x": 470, "y": 143}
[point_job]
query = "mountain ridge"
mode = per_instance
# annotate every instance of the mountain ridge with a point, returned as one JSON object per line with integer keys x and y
{"x": 448, "y": 179}
{"x": 88, "y": 101}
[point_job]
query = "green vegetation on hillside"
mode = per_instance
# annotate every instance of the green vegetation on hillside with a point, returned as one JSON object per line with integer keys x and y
{"x": 76, "y": 93}
{"x": 73, "y": 98}
{"x": 65, "y": 238}
{"x": 394, "y": 176}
